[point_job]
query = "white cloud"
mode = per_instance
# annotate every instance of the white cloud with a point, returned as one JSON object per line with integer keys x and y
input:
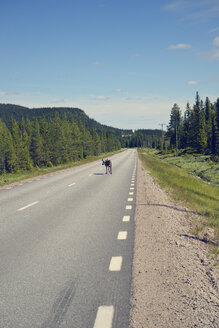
{"x": 134, "y": 56}
{"x": 176, "y": 5}
{"x": 100, "y": 97}
{"x": 192, "y": 82}
{"x": 118, "y": 90}
{"x": 180, "y": 46}
{"x": 63, "y": 76}
{"x": 196, "y": 11}
{"x": 215, "y": 55}
{"x": 97, "y": 63}
{"x": 58, "y": 101}
{"x": 214, "y": 29}
{"x": 9, "y": 93}
{"x": 216, "y": 41}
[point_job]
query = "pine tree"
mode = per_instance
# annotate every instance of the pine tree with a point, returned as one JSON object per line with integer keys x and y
{"x": 187, "y": 127}
{"x": 96, "y": 143}
{"x": 217, "y": 127}
{"x": 36, "y": 144}
{"x": 174, "y": 128}
{"x": 208, "y": 119}
{"x": 46, "y": 145}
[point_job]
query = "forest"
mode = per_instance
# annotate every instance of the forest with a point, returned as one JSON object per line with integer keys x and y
{"x": 197, "y": 131}
{"x": 43, "y": 137}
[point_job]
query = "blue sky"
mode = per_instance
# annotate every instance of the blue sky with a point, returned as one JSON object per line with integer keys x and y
{"x": 124, "y": 62}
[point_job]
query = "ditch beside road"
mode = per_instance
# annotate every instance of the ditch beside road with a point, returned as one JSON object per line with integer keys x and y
{"x": 175, "y": 282}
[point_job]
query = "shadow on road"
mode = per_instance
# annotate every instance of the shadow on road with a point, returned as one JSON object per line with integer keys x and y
{"x": 99, "y": 173}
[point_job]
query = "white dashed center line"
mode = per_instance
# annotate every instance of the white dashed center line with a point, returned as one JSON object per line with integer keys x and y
{"x": 104, "y": 318}
{"x": 72, "y": 184}
{"x": 122, "y": 235}
{"x": 115, "y": 263}
{"x": 126, "y": 218}
{"x": 29, "y": 205}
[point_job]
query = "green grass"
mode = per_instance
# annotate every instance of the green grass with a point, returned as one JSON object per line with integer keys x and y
{"x": 8, "y": 178}
{"x": 200, "y": 165}
{"x": 195, "y": 193}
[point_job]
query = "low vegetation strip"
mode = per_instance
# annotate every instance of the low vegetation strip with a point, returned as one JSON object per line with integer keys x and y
{"x": 9, "y": 178}
{"x": 195, "y": 193}
{"x": 198, "y": 164}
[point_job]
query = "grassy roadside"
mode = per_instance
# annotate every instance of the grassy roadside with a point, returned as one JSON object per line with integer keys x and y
{"x": 195, "y": 193}
{"x": 197, "y": 164}
{"x": 8, "y": 178}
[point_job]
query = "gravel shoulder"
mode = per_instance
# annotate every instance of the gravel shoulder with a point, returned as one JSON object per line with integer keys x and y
{"x": 175, "y": 284}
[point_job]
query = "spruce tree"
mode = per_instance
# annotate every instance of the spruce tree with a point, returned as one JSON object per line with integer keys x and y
{"x": 36, "y": 144}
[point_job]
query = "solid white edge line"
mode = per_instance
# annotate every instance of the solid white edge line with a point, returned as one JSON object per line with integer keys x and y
{"x": 122, "y": 235}
{"x": 115, "y": 263}
{"x": 29, "y": 205}
{"x": 104, "y": 317}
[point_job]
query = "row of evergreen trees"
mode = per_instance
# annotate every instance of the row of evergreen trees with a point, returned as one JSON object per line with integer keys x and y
{"x": 146, "y": 138}
{"x": 198, "y": 129}
{"x": 42, "y": 142}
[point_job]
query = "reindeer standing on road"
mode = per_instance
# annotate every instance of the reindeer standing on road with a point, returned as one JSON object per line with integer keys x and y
{"x": 108, "y": 165}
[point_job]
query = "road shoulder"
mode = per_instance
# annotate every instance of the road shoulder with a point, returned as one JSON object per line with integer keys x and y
{"x": 174, "y": 282}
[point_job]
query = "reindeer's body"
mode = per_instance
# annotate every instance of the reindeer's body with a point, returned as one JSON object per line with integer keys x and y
{"x": 108, "y": 165}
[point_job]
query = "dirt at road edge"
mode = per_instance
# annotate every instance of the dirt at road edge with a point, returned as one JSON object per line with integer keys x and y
{"x": 175, "y": 285}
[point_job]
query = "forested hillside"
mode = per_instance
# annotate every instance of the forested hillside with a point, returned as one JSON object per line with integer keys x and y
{"x": 18, "y": 112}
{"x": 198, "y": 130}
{"x": 40, "y": 137}
{"x": 51, "y": 140}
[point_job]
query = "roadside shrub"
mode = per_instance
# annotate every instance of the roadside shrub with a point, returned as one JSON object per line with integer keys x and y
{"x": 49, "y": 164}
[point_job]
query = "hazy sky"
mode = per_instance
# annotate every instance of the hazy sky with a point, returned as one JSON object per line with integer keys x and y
{"x": 124, "y": 62}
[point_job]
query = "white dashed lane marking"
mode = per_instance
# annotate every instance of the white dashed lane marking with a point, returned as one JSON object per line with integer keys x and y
{"x": 126, "y": 218}
{"x": 122, "y": 235}
{"x": 29, "y": 205}
{"x": 72, "y": 184}
{"x": 115, "y": 263}
{"x": 104, "y": 318}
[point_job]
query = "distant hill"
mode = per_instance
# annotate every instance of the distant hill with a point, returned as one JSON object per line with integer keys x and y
{"x": 9, "y": 110}
{"x": 127, "y": 138}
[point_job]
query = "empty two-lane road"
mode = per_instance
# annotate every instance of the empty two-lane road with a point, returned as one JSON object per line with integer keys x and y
{"x": 66, "y": 246}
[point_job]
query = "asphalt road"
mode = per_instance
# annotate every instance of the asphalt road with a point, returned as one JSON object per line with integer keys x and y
{"x": 66, "y": 247}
